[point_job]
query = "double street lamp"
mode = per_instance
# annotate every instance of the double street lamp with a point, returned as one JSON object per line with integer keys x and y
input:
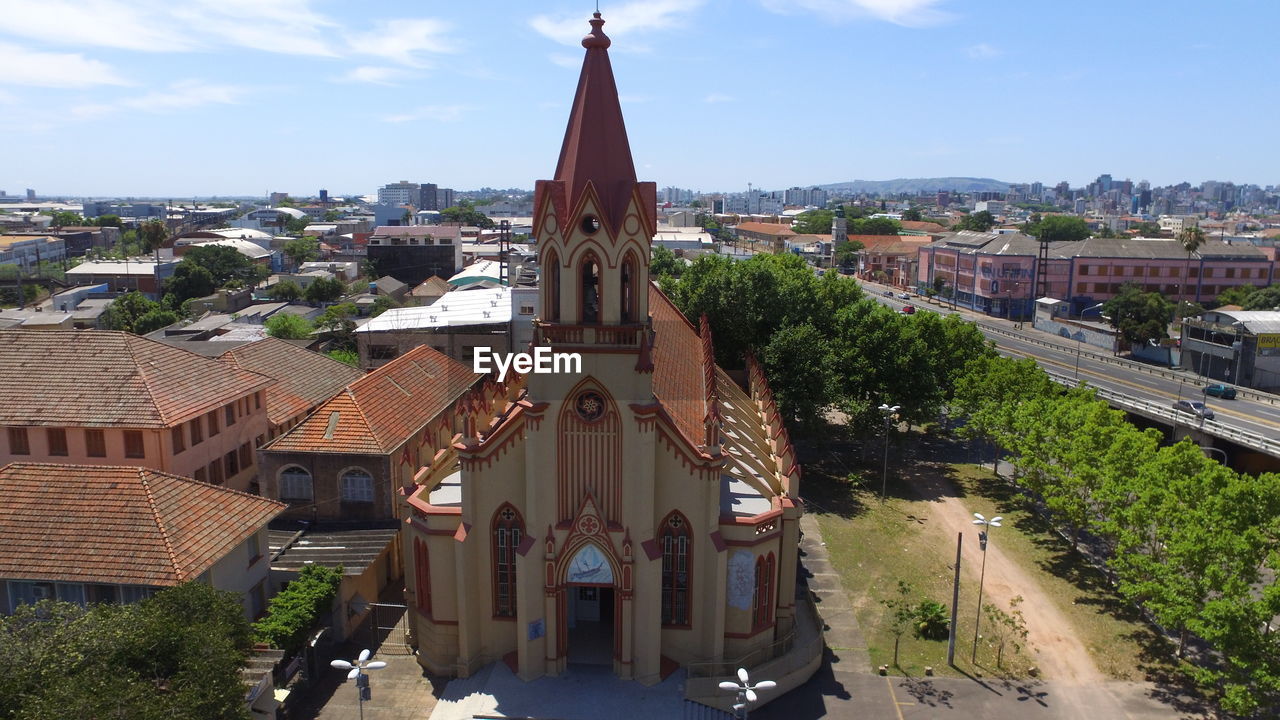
{"x": 357, "y": 672}
{"x": 982, "y": 542}
{"x": 746, "y": 692}
{"x": 889, "y": 412}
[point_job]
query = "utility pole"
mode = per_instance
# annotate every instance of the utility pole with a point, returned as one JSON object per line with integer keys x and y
{"x": 955, "y": 605}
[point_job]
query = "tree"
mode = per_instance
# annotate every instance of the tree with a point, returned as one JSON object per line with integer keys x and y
{"x": 1268, "y": 298}
{"x": 464, "y": 213}
{"x": 152, "y": 234}
{"x": 285, "y": 291}
{"x": 1059, "y": 228}
{"x": 346, "y": 357}
{"x": 303, "y": 249}
{"x": 323, "y": 290}
{"x": 189, "y": 281}
{"x": 1139, "y": 316}
{"x": 178, "y": 654}
{"x": 296, "y": 225}
{"x": 332, "y": 216}
{"x": 108, "y": 221}
{"x": 980, "y": 221}
{"x": 989, "y": 391}
{"x": 294, "y": 611}
{"x": 288, "y": 326}
{"x": 337, "y": 322}
{"x": 663, "y": 262}
{"x": 125, "y": 311}
{"x": 1236, "y": 295}
{"x": 155, "y": 319}
{"x": 813, "y": 222}
{"x": 223, "y": 262}
{"x": 846, "y": 252}
{"x": 797, "y": 362}
{"x": 1006, "y": 628}
{"x": 63, "y": 218}
{"x": 1191, "y": 238}
{"x": 1147, "y": 229}
{"x": 872, "y": 226}
{"x": 912, "y": 214}
{"x": 902, "y": 613}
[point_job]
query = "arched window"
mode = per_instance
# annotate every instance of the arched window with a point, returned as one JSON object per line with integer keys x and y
{"x": 357, "y": 486}
{"x": 553, "y": 286}
{"x": 589, "y": 276}
{"x": 676, "y": 540}
{"x": 295, "y": 484}
{"x": 762, "y": 598}
{"x": 627, "y": 291}
{"x": 422, "y": 572}
{"x": 508, "y": 532}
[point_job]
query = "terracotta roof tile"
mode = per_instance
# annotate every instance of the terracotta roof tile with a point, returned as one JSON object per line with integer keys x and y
{"x": 767, "y": 228}
{"x": 128, "y": 525}
{"x": 679, "y": 381}
{"x": 303, "y": 378}
{"x": 98, "y": 378}
{"x": 378, "y": 412}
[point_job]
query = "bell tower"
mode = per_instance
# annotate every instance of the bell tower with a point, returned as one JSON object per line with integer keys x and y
{"x": 594, "y": 221}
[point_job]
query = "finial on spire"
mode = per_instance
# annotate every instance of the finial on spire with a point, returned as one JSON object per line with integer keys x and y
{"x": 596, "y": 38}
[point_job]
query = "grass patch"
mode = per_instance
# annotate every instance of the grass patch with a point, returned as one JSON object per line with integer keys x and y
{"x": 875, "y": 544}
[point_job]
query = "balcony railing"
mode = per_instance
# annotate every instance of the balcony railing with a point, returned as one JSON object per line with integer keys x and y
{"x": 622, "y": 336}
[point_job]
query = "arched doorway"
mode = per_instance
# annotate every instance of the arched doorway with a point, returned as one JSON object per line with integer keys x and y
{"x": 590, "y": 608}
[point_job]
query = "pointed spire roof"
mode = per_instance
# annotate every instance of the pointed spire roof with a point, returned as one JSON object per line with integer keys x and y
{"x": 595, "y": 146}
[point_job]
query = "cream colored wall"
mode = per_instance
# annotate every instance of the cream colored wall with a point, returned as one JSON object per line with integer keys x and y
{"x": 235, "y": 573}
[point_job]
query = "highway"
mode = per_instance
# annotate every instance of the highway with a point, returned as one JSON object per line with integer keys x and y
{"x": 1098, "y": 368}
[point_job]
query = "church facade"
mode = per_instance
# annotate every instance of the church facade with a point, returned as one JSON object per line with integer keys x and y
{"x": 641, "y": 514}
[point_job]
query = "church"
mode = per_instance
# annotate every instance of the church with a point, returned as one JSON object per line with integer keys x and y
{"x": 642, "y": 513}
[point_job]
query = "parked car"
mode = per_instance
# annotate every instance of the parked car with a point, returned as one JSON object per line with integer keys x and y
{"x": 908, "y": 309}
{"x": 904, "y": 296}
{"x": 1198, "y": 409}
{"x": 1226, "y": 392}
{"x": 888, "y": 293}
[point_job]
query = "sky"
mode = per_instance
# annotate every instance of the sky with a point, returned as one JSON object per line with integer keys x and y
{"x": 180, "y": 98}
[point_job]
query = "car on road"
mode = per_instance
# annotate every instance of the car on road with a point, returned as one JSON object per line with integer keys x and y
{"x": 1226, "y": 392}
{"x": 888, "y": 293}
{"x": 904, "y": 296}
{"x": 908, "y": 309}
{"x": 1198, "y": 409}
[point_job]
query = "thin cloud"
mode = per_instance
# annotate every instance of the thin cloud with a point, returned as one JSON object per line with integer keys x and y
{"x": 53, "y": 70}
{"x": 566, "y": 61}
{"x": 718, "y": 98}
{"x": 982, "y": 51}
{"x": 371, "y": 75}
{"x": 623, "y": 21}
{"x": 404, "y": 41}
{"x": 908, "y": 13}
{"x": 438, "y": 113}
{"x": 182, "y": 95}
{"x": 94, "y": 23}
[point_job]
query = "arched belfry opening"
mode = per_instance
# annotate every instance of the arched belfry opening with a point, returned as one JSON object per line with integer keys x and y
{"x": 551, "y": 297}
{"x": 589, "y": 288}
{"x": 627, "y": 290}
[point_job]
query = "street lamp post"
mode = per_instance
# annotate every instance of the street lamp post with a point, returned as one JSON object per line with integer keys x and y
{"x": 982, "y": 541}
{"x": 888, "y": 412}
{"x": 1079, "y": 336}
{"x": 357, "y": 672}
{"x": 746, "y": 692}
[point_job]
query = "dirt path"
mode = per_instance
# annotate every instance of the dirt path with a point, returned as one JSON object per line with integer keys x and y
{"x": 1059, "y": 654}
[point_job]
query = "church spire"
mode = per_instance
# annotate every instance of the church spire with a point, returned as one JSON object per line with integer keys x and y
{"x": 595, "y": 145}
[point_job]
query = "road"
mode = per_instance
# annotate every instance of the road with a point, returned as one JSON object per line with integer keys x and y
{"x": 1130, "y": 378}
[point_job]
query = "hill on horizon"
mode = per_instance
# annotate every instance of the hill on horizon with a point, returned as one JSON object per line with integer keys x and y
{"x": 918, "y": 185}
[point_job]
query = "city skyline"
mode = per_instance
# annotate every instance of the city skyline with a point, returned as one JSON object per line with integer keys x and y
{"x": 143, "y": 99}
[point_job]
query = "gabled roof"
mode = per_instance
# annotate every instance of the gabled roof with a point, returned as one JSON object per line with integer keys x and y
{"x": 433, "y": 286}
{"x": 767, "y": 228}
{"x": 378, "y": 412}
{"x": 595, "y": 145}
{"x": 127, "y": 525}
{"x": 303, "y": 378}
{"x": 100, "y": 378}
{"x": 679, "y": 379}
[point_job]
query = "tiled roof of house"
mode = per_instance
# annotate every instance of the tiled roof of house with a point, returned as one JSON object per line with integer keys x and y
{"x": 304, "y": 379}
{"x": 378, "y": 412}
{"x": 433, "y": 286}
{"x": 921, "y": 226}
{"x": 679, "y": 381}
{"x": 127, "y": 525}
{"x": 98, "y": 378}
{"x": 766, "y": 228}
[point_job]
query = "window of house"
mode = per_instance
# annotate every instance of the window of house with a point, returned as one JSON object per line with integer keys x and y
{"x": 212, "y": 419}
{"x": 197, "y": 431}
{"x": 230, "y": 413}
{"x": 246, "y": 456}
{"x": 57, "y": 439}
{"x": 133, "y": 445}
{"x": 762, "y": 598}
{"x": 200, "y": 475}
{"x": 675, "y": 539}
{"x": 231, "y": 461}
{"x": 257, "y": 400}
{"x": 253, "y": 548}
{"x": 179, "y": 439}
{"x": 357, "y": 486}
{"x": 95, "y": 443}
{"x": 295, "y": 484}
{"x": 422, "y": 573}
{"x": 382, "y": 352}
{"x": 508, "y": 531}
{"x": 19, "y": 444}
{"x": 216, "y": 475}
{"x": 526, "y": 308}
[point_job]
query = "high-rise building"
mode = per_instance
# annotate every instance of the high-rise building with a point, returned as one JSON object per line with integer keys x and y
{"x": 31, "y": 195}
{"x": 401, "y": 193}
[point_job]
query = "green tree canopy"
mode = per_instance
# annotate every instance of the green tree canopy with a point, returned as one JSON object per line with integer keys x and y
{"x": 190, "y": 280}
{"x": 872, "y": 226}
{"x": 466, "y": 214}
{"x": 845, "y": 252}
{"x": 980, "y": 221}
{"x": 127, "y": 311}
{"x": 664, "y": 262}
{"x": 297, "y": 225}
{"x": 108, "y": 221}
{"x": 285, "y": 291}
{"x": 912, "y": 214}
{"x": 63, "y": 218}
{"x": 223, "y": 262}
{"x": 303, "y": 249}
{"x": 176, "y": 655}
{"x": 1139, "y": 316}
{"x": 813, "y": 222}
{"x": 288, "y": 326}
{"x": 324, "y": 290}
{"x": 1147, "y": 229}
{"x": 1059, "y": 228}
{"x": 1267, "y": 298}
{"x": 152, "y": 234}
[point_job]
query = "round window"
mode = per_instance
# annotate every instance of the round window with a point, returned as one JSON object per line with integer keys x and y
{"x": 590, "y": 224}
{"x": 590, "y": 406}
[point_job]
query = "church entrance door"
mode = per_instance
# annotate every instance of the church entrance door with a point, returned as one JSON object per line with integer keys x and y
{"x": 591, "y": 618}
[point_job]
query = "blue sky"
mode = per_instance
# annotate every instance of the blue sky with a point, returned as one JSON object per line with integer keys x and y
{"x": 177, "y": 98}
